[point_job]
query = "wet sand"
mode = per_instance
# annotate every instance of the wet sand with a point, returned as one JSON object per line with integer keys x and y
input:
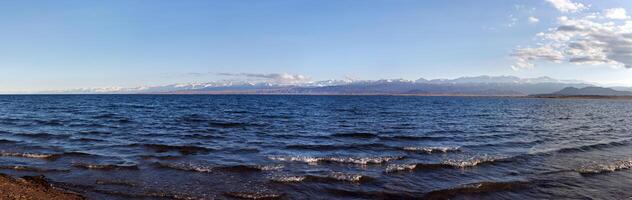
{"x": 32, "y": 188}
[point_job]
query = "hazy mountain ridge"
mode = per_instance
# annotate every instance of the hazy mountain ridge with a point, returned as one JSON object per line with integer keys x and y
{"x": 478, "y": 85}
{"x": 587, "y": 92}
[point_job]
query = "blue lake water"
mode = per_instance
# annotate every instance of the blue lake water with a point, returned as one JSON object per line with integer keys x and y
{"x": 319, "y": 147}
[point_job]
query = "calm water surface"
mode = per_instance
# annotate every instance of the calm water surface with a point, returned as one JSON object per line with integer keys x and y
{"x": 320, "y": 147}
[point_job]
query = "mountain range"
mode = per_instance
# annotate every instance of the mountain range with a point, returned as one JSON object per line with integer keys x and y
{"x": 464, "y": 86}
{"x": 592, "y": 91}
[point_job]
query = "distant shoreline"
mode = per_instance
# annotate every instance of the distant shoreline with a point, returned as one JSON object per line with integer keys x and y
{"x": 579, "y": 97}
{"x": 352, "y": 94}
{"x": 278, "y": 94}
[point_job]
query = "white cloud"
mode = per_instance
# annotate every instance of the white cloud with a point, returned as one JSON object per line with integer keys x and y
{"x": 512, "y": 21}
{"x": 533, "y": 20}
{"x": 280, "y": 78}
{"x": 526, "y": 56}
{"x": 616, "y": 13}
{"x": 587, "y": 39}
{"x": 567, "y": 5}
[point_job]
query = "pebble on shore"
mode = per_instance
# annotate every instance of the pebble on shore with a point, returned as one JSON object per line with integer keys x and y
{"x": 32, "y": 188}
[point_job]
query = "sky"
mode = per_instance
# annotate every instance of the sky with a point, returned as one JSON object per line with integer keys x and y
{"x": 64, "y": 44}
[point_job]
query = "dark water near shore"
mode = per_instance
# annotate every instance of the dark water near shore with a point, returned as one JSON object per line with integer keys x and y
{"x": 320, "y": 147}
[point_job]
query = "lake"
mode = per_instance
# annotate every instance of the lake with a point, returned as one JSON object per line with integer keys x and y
{"x": 319, "y": 147}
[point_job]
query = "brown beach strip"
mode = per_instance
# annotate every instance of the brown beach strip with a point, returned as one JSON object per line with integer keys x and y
{"x": 32, "y": 188}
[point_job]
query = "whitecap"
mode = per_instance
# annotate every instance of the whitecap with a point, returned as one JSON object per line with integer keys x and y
{"x": 433, "y": 149}
{"x": 400, "y": 167}
{"x": 608, "y": 167}
{"x": 28, "y": 155}
{"x": 289, "y": 179}
{"x": 473, "y": 161}
{"x": 356, "y": 160}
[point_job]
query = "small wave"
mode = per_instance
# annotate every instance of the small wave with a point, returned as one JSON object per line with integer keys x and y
{"x": 253, "y": 195}
{"x": 363, "y": 194}
{"x": 242, "y": 150}
{"x": 475, "y": 188}
{"x": 596, "y": 146}
{"x": 330, "y": 178}
{"x": 32, "y": 169}
{"x": 184, "y": 167}
{"x": 247, "y": 168}
{"x": 123, "y": 121}
{"x": 411, "y": 138}
{"x": 448, "y": 164}
{"x": 134, "y": 105}
{"x": 83, "y": 139}
{"x": 43, "y": 135}
{"x": 324, "y": 147}
{"x": 433, "y": 149}
{"x": 201, "y": 119}
{"x": 604, "y": 168}
{"x": 116, "y": 182}
{"x": 203, "y": 136}
{"x": 76, "y": 154}
{"x": 143, "y": 194}
{"x": 44, "y": 155}
{"x": 184, "y": 150}
{"x": 106, "y": 167}
{"x": 420, "y": 166}
{"x": 93, "y": 132}
{"x": 30, "y": 155}
{"x": 159, "y": 157}
{"x": 105, "y": 116}
{"x": 193, "y": 118}
{"x": 289, "y": 179}
{"x": 474, "y": 161}
{"x": 526, "y": 143}
{"x": 52, "y": 122}
{"x": 207, "y": 169}
{"x": 349, "y": 177}
{"x": 357, "y": 160}
{"x": 5, "y": 141}
{"x": 223, "y": 124}
{"x": 354, "y": 135}
{"x": 400, "y": 167}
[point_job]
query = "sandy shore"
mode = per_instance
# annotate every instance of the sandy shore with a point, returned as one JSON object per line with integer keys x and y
{"x": 32, "y": 188}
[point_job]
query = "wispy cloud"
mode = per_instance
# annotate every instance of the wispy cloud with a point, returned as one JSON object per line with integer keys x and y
{"x": 526, "y": 56}
{"x": 512, "y": 21}
{"x": 281, "y": 78}
{"x": 567, "y": 6}
{"x": 533, "y": 20}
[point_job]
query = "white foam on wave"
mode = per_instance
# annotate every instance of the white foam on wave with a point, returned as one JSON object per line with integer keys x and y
{"x": 346, "y": 177}
{"x": 400, "y": 167}
{"x": 269, "y": 167}
{"x": 209, "y": 168}
{"x": 254, "y": 195}
{"x": 433, "y": 149}
{"x": 289, "y": 179}
{"x": 315, "y": 160}
{"x": 28, "y": 155}
{"x": 473, "y": 161}
{"x": 187, "y": 167}
{"x": 338, "y": 176}
{"x": 608, "y": 167}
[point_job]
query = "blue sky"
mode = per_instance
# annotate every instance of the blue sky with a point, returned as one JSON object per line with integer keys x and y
{"x": 48, "y": 45}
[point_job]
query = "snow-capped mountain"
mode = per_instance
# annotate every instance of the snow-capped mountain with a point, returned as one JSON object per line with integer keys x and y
{"x": 479, "y": 85}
